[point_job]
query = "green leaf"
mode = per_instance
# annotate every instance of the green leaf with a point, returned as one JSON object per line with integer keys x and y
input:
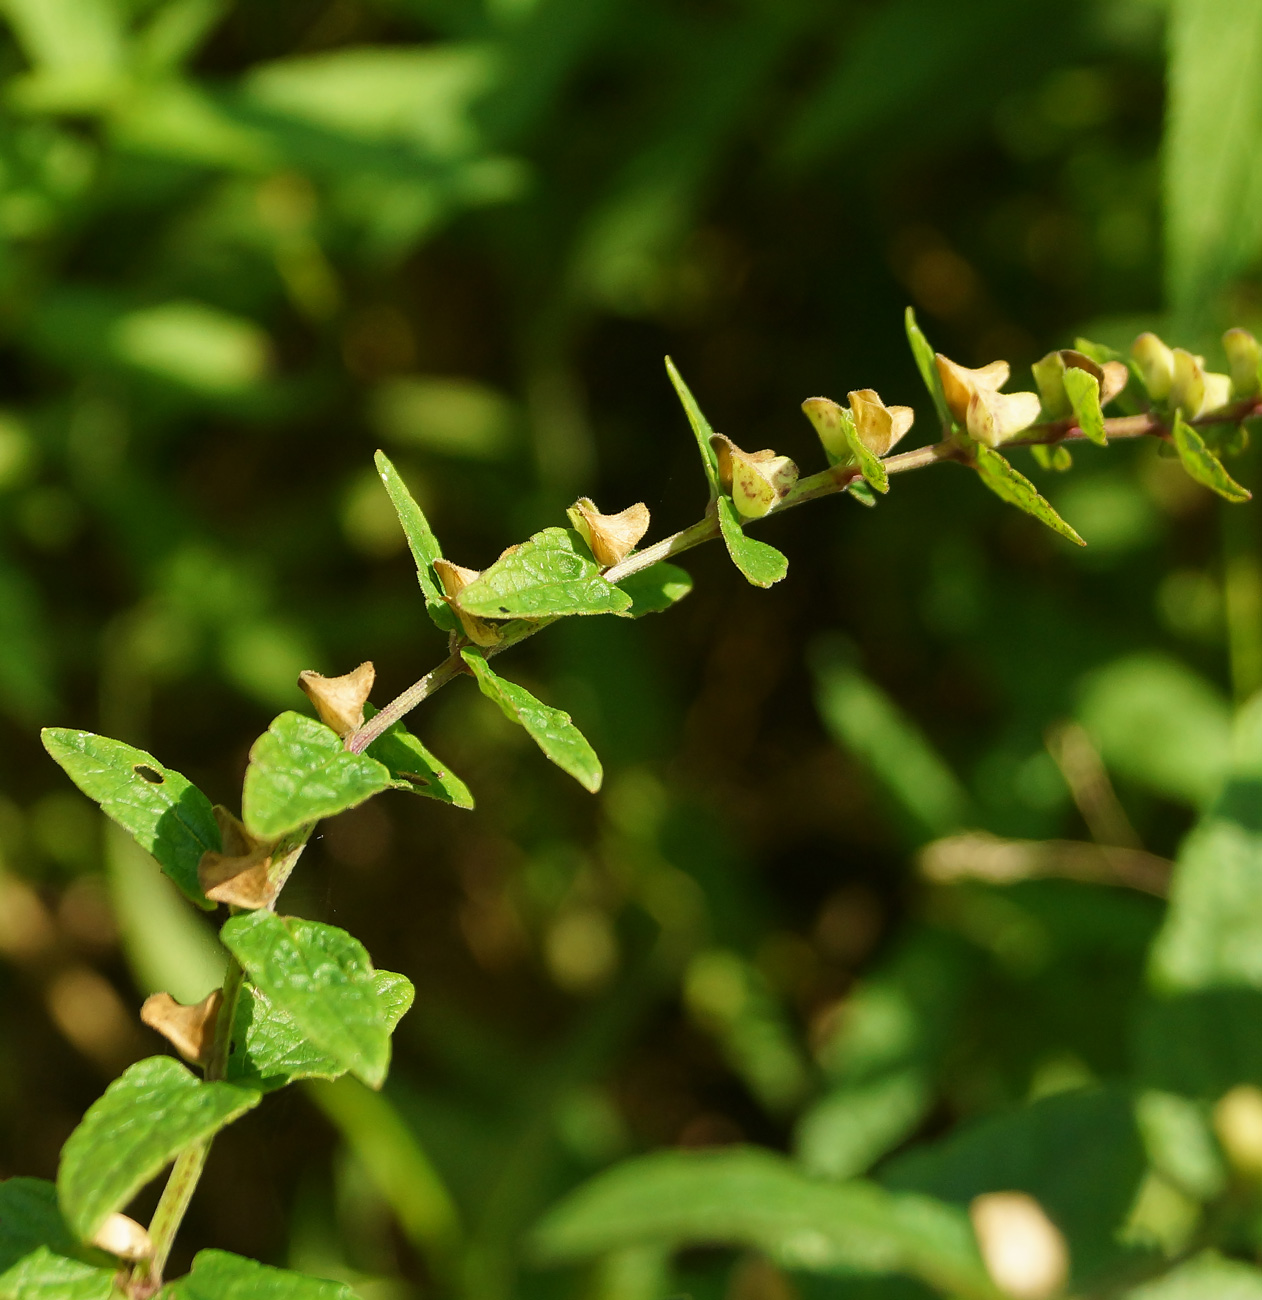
{"x": 547, "y": 576}
{"x": 869, "y": 464}
{"x": 217, "y": 1275}
{"x": 413, "y": 767}
{"x": 928, "y": 367}
{"x": 1057, "y": 458}
{"x": 746, "y": 1197}
{"x": 299, "y": 772}
{"x": 1083, "y": 390}
{"x": 761, "y": 564}
{"x": 1206, "y": 1277}
{"x": 1201, "y": 463}
{"x": 322, "y": 978}
{"x": 1014, "y": 488}
{"x": 862, "y": 493}
{"x": 851, "y": 1127}
{"x": 150, "y": 1113}
{"x": 270, "y": 1051}
{"x": 167, "y": 813}
{"x": 421, "y": 542}
{"x": 550, "y": 729}
{"x": 39, "y": 1258}
{"x": 656, "y": 588}
{"x": 700, "y": 427}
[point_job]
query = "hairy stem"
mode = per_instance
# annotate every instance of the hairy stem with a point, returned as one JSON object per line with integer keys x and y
{"x": 827, "y": 482}
{"x": 187, "y": 1170}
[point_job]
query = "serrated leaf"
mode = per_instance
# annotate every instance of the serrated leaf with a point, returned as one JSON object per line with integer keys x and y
{"x": 761, "y": 564}
{"x": 299, "y": 772}
{"x": 218, "y": 1275}
{"x": 421, "y": 542}
{"x": 1202, "y": 465}
{"x": 1083, "y": 391}
{"x": 168, "y": 815}
{"x": 39, "y": 1258}
{"x": 1013, "y": 487}
{"x": 551, "y": 729}
{"x": 655, "y": 589}
{"x": 322, "y": 978}
{"x": 751, "y": 1198}
{"x": 270, "y": 1051}
{"x": 150, "y": 1113}
{"x": 412, "y": 767}
{"x": 700, "y": 427}
{"x": 922, "y": 351}
{"x": 549, "y": 575}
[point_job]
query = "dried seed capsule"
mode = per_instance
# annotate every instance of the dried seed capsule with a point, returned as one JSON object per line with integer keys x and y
{"x": 757, "y": 480}
{"x": 611, "y": 538}
{"x": 340, "y": 701}
{"x": 189, "y": 1029}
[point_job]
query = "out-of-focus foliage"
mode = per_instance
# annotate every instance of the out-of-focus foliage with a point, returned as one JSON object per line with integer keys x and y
{"x": 859, "y": 885}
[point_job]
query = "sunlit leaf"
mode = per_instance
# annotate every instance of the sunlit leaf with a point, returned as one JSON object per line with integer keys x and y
{"x": 922, "y": 351}
{"x": 700, "y": 427}
{"x": 150, "y": 1113}
{"x": 300, "y": 772}
{"x": 1206, "y": 1277}
{"x": 547, "y": 576}
{"x": 412, "y": 767}
{"x": 322, "y": 979}
{"x": 217, "y": 1275}
{"x": 1013, "y": 487}
{"x": 1201, "y": 463}
{"x": 1083, "y": 391}
{"x": 656, "y": 588}
{"x": 38, "y": 1255}
{"x": 167, "y": 813}
{"x": 550, "y": 729}
{"x": 421, "y": 542}
{"x": 761, "y": 564}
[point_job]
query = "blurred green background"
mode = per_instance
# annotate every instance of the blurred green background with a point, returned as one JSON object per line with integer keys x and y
{"x": 244, "y": 244}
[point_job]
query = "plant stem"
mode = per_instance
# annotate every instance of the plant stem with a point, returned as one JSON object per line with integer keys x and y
{"x": 827, "y": 482}
{"x": 187, "y": 1170}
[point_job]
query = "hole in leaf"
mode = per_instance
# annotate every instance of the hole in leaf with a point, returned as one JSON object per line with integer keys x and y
{"x": 152, "y": 775}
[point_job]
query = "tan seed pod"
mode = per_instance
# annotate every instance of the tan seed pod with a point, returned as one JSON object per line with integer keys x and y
{"x": 340, "y": 701}
{"x": 1116, "y": 375}
{"x": 190, "y": 1030}
{"x": 611, "y": 538}
{"x": 455, "y": 578}
{"x": 1156, "y": 365}
{"x": 1024, "y": 1251}
{"x": 242, "y": 874}
{"x": 959, "y": 383}
{"x": 879, "y": 427}
{"x": 757, "y": 480}
{"x": 125, "y": 1238}
{"x": 994, "y": 417}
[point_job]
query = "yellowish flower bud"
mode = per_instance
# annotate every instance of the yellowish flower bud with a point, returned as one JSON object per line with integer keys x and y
{"x": 993, "y": 417}
{"x": 1049, "y": 377}
{"x": 1023, "y": 1250}
{"x": 826, "y": 419}
{"x": 340, "y": 700}
{"x": 611, "y": 538}
{"x": 1238, "y": 1124}
{"x": 1116, "y": 376}
{"x": 190, "y": 1030}
{"x": 242, "y": 874}
{"x": 959, "y": 383}
{"x": 879, "y": 426}
{"x": 455, "y": 578}
{"x": 756, "y": 479}
{"x": 1244, "y": 356}
{"x": 1156, "y": 365}
{"x": 124, "y": 1238}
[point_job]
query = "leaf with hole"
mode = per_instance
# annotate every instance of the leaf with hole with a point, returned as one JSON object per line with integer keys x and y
{"x": 1083, "y": 390}
{"x": 551, "y": 729}
{"x": 270, "y": 1051}
{"x": 656, "y": 588}
{"x": 168, "y": 815}
{"x": 412, "y": 767}
{"x": 1013, "y": 487}
{"x": 300, "y": 772}
{"x": 549, "y": 575}
{"x": 1202, "y": 465}
{"x": 421, "y": 542}
{"x": 700, "y": 427}
{"x": 218, "y": 1275}
{"x": 322, "y": 979}
{"x": 761, "y": 564}
{"x": 145, "y": 1118}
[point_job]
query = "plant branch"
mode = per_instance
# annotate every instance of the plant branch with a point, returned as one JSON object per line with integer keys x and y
{"x": 827, "y": 482}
